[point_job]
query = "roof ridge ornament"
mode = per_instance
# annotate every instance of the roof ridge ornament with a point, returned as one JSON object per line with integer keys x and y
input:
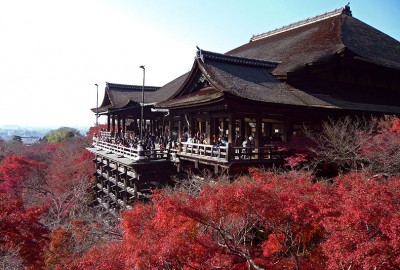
{"x": 199, "y": 54}
{"x": 202, "y": 54}
{"x": 344, "y": 10}
{"x": 347, "y": 10}
{"x": 131, "y": 87}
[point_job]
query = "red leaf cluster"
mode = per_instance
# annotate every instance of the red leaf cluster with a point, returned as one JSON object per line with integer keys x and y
{"x": 21, "y": 230}
{"x": 268, "y": 221}
{"x": 14, "y": 172}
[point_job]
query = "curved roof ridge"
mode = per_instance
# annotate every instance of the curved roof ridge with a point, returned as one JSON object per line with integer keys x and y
{"x": 333, "y": 13}
{"x": 202, "y": 54}
{"x": 131, "y": 87}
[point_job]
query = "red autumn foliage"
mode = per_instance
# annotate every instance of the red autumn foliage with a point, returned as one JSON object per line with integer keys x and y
{"x": 267, "y": 221}
{"x": 395, "y": 125}
{"x": 59, "y": 253}
{"x": 94, "y": 130}
{"x": 264, "y": 220}
{"x": 70, "y": 163}
{"x": 15, "y": 171}
{"x": 21, "y": 230}
{"x": 365, "y": 232}
{"x": 102, "y": 257}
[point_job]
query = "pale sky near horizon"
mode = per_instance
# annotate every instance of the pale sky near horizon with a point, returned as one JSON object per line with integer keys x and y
{"x": 52, "y": 52}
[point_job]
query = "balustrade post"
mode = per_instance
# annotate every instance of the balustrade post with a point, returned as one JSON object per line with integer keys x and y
{"x": 227, "y": 155}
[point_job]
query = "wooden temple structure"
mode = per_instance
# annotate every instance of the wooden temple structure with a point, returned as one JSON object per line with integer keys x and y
{"x": 297, "y": 76}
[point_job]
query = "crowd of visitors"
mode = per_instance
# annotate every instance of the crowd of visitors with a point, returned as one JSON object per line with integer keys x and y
{"x": 150, "y": 141}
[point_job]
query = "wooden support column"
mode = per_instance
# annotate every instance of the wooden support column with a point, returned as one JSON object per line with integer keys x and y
{"x": 214, "y": 129}
{"x": 108, "y": 122}
{"x": 116, "y": 176}
{"x": 136, "y": 127}
{"x": 125, "y": 179}
{"x": 119, "y": 125}
{"x": 180, "y": 128}
{"x": 108, "y": 183}
{"x": 208, "y": 128}
{"x": 101, "y": 175}
{"x": 231, "y": 129}
{"x": 123, "y": 124}
{"x": 135, "y": 189}
{"x": 258, "y": 134}
{"x": 287, "y": 129}
{"x": 193, "y": 125}
{"x": 170, "y": 127}
{"x": 243, "y": 128}
{"x": 221, "y": 129}
{"x": 113, "y": 123}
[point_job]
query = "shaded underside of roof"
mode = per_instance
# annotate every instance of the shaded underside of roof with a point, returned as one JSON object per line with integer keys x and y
{"x": 357, "y": 106}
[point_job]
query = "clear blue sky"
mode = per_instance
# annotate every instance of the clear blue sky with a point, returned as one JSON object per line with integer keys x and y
{"x": 52, "y": 52}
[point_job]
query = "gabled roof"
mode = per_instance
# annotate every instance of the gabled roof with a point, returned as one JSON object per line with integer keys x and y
{"x": 251, "y": 71}
{"x": 117, "y": 96}
{"x": 250, "y": 79}
{"x": 318, "y": 39}
{"x": 237, "y": 76}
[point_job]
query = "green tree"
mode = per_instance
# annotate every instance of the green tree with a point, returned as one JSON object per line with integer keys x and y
{"x": 61, "y": 134}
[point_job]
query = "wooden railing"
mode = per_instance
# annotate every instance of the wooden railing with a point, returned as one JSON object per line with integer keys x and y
{"x": 132, "y": 153}
{"x": 264, "y": 152}
{"x": 205, "y": 151}
{"x": 105, "y": 134}
{"x": 229, "y": 153}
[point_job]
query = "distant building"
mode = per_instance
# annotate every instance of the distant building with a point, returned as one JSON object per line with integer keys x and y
{"x": 30, "y": 140}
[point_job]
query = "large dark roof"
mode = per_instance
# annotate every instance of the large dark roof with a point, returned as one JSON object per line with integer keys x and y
{"x": 241, "y": 77}
{"x": 251, "y": 79}
{"x": 251, "y": 71}
{"x": 319, "y": 38}
{"x": 117, "y": 96}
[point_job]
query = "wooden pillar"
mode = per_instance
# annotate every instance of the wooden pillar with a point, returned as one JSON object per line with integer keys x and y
{"x": 113, "y": 123}
{"x": 193, "y": 125}
{"x": 118, "y": 124}
{"x": 116, "y": 191}
{"x": 221, "y": 129}
{"x": 231, "y": 129}
{"x": 180, "y": 128}
{"x": 123, "y": 124}
{"x": 108, "y": 122}
{"x": 287, "y": 129}
{"x": 170, "y": 127}
{"x": 208, "y": 128}
{"x": 135, "y": 124}
{"x": 108, "y": 183}
{"x": 258, "y": 134}
{"x": 213, "y": 127}
{"x": 125, "y": 178}
{"x": 242, "y": 128}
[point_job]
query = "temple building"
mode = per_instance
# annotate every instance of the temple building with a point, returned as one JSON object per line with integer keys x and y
{"x": 281, "y": 81}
